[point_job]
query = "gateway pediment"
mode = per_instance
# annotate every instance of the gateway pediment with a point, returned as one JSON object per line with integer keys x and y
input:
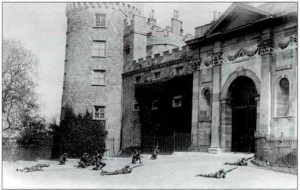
{"x": 236, "y": 16}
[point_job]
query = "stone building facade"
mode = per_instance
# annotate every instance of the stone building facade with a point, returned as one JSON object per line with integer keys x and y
{"x": 230, "y": 86}
{"x": 94, "y": 60}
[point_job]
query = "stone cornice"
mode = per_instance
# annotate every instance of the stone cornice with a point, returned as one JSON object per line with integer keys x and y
{"x": 159, "y": 66}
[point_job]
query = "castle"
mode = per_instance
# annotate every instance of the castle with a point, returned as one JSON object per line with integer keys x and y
{"x": 230, "y": 86}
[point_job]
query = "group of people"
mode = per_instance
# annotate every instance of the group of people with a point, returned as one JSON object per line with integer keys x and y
{"x": 96, "y": 160}
{"x": 222, "y": 173}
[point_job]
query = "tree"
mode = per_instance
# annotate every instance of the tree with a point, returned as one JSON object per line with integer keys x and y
{"x": 19, "y": 98}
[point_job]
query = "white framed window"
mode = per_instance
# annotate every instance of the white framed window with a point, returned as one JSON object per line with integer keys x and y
{"x": 179, "y": 70}
{"x": 138, "y": 79}
{"x": 100, "y": 20}
{"x": 177, "y": 102}
{"x": 156, "y": 75}
{"x": 136, "y": 107}
{"x": 99, "y": 48}
{"x": 99, "y": 77}
{"x": 99, "y": 113}
{"x": 155, "y": 104}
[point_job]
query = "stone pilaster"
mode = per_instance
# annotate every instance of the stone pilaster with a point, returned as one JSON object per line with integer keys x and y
{"x": 195, "y": 110}
{"x": 226, "y": 124}
{"x": 215, "y": 127}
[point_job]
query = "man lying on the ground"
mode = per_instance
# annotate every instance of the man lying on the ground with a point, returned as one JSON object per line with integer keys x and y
{"x": 220, "y": 174}
{"x": 240, "y": 162}
{"x": 126, "y": 170}
{"x": 37, "y": 167}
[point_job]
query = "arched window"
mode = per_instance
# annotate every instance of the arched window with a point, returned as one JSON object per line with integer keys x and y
{"x": 206, "y": 103}
{"x": 282, "y": 98}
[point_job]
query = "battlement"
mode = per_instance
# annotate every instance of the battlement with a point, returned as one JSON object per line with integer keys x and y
{"x": 166, "y": 56}
{"x": 124, "y": 7}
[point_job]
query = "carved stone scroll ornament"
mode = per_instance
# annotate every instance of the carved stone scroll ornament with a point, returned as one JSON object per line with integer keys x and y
{"x": 266, "y": 47}
{"x": 251, "y": 51}
{"x": 286, "y": 42}
{"x": 207, "y": 61}
{"x": 217, "y": 58}
{"x": 196, "y": 63}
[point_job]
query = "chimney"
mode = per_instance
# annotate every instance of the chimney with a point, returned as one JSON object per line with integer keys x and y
{"x": 176, "y": 23}
{"x": 215, "y": 16}
{"x": 176, "y": 14}
{"x": 152, "y": 19}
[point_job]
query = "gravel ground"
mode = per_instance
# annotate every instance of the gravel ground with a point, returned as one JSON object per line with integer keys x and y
{"x": 176, "y": 171}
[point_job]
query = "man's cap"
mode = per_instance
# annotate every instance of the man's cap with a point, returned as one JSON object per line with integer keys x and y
{"x": 85, "y": 153}
{"x": 65, "y": 153}
{"x": 127, "y": 166}
{"x": 221, "y": 170}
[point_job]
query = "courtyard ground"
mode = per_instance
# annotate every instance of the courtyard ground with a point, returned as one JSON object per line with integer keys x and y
{"x": 176, "y": 171}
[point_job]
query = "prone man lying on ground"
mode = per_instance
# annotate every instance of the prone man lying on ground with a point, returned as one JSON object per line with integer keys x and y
{"x": 126, "y": 170}
{"x": 240, "y": 162}
{"x": 220, "y": 174}
{"x": 37, "y": 167}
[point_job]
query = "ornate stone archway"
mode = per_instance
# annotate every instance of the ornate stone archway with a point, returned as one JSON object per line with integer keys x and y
{"x": 226, "y": 107}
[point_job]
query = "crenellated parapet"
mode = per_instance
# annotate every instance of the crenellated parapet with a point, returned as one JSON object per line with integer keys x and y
{"x": 127, "y": 8}
{"x": 167, "y": 58}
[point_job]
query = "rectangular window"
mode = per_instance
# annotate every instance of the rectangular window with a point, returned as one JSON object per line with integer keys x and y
{"x": 157, "y": 75}
{"x": 99, "y": 48}
{"x": 177, "y": 102}
{"x": 99, "y": 112}
{"x": 136, "y": 107}
{"x": 179, "y": 70}
{"x": 127, "y": 50}
{"x": 155, "y": 104}
{"x": 98, "y": 77}
{"x": 100, "y": 20}
{"x": 138, "y": 79}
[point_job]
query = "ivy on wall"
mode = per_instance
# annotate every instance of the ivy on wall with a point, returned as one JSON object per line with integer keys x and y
{"x": 166, "y": 119}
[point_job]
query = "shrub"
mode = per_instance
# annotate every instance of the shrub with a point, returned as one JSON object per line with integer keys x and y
{"x": 77, "y": 134}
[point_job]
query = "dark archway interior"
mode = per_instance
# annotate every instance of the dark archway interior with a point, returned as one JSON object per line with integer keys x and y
{"x": 242, "y": 92}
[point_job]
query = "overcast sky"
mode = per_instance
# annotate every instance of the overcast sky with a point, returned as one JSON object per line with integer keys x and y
{"x": 42, "y": 28}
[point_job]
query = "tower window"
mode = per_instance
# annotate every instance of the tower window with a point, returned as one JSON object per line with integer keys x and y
{"x": 177, "y": 102}
{"x": 138, "y": 79}
{"x": 155, "y": 104}
{"x": 100, "y": 20}
{"x": 98, "y": 77}
{"x": 157, "y": 75}
{"x": 99, "y": 112}
{"x": 99, "y": 48}
{"x": 179, "y": 70}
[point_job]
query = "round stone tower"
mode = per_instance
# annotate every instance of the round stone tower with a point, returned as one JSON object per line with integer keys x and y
{"x": 94, "y": 60}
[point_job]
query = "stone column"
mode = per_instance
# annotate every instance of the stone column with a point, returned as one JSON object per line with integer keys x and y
{"x": 195, "y": 110}
{"x": 226, "y": 124}
{"x": 215, "y": 135}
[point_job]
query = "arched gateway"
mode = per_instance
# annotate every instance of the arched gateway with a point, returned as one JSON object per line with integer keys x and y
{"x": 240, "y": 111}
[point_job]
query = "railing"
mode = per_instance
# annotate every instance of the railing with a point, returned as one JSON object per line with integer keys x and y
{"x": 167, "y": 144}
{"x": 282, "y": 152}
